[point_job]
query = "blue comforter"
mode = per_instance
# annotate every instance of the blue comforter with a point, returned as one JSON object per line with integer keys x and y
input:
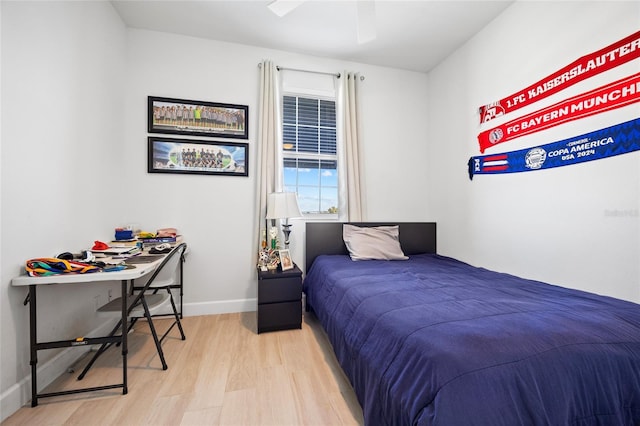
{"x": 434, "y": 341}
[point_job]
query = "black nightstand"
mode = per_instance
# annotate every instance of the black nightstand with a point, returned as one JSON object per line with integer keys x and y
{"x": 279, "y": 300}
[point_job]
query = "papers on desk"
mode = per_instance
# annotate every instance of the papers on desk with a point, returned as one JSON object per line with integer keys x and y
{"x": 142, "y": 259}
{"x": 119, "y": 252}
{"x": 114, "y": 250}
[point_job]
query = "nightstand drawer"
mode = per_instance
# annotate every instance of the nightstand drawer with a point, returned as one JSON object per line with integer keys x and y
{"x": 279, "y": 316}
{"x": 279, "y": 290}
{"x": 279, "y": 300}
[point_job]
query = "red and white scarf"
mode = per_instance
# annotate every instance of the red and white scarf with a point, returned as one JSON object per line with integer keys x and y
{"x": 587, "y": 66}
{"x": 611, "y": 96}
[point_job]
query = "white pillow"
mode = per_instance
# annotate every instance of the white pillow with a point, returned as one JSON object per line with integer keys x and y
{"x": 373, "y": 243}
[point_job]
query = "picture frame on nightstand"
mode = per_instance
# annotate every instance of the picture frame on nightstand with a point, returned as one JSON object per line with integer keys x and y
{"x": 285, "y": 260}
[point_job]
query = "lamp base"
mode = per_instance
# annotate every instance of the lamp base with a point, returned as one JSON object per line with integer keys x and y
{"x": 286, "y": 229}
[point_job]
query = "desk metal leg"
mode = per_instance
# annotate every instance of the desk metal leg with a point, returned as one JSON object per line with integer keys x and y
{"x": 181, "y": 286}
{"x": 104, "y": 341}
{"x": 125, "y": 329}
{"x": 33, "y": 338}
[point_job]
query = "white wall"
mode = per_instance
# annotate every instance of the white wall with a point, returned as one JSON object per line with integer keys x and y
{"x": 74, "y": 90}
{"x": 62, "y": 98}
{"x": 217, "y": 214}
{"x": 556, "y": 225}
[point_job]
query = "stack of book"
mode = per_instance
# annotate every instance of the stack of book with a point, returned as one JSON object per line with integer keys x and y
{"x": 119, "y": 252}
{"x": 124, "y": 243}
{"x": 147, "y": 242}
{"x": 147, "y": 239}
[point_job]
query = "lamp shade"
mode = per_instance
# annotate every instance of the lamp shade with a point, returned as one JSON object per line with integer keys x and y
{"x": 282, "y": 205}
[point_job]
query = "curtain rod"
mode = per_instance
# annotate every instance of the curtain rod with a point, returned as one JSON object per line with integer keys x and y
{"x": 337, "y": 75}
{"x": 279, "y": 68}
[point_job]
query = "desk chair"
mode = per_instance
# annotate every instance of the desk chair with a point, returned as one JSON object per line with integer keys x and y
{"x": 153, "y": 296}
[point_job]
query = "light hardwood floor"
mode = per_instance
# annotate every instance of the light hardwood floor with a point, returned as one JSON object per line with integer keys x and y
{"x": 223, "y": 374}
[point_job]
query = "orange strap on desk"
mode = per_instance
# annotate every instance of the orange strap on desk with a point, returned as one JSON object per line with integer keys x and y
{"x": 46, "y": 266}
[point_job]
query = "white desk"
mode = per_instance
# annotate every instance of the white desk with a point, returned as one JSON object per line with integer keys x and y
{"x": 124, "y": 276}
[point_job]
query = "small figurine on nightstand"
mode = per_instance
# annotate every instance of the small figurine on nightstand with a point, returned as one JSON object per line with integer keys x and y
{"x": 263, "y": 253}
{"x": 274, "y": 260}
{"x": 263, "y": 259}
{"x": 268, "y": 258}
{"x": 273, "y": 233}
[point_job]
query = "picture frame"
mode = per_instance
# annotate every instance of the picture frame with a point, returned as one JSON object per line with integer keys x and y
{"x": 197, "y": 118}
{"x": 285, "y": 259}
{"x": 201, "y": 157}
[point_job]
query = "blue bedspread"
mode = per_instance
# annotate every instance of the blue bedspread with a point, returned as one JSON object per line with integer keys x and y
{"x": 434, "y": 341}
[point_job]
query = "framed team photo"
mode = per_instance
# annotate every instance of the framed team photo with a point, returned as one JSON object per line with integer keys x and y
{"x": 197, "y": 118}
{"x": 188, "y": 156}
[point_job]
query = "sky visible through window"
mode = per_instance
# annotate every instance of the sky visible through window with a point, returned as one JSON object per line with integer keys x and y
{"x": 316, "y": 182}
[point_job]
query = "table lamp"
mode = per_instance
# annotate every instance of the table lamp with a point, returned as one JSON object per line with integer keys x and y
{"x": 283, "y": 205}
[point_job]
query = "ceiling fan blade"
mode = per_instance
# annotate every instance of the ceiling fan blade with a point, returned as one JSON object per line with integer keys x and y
{"x": 282, "y": 7}
{"x": 366, "y": 21}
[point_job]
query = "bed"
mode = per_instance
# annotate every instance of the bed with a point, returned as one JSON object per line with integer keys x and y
{"x": 434, "y": 341}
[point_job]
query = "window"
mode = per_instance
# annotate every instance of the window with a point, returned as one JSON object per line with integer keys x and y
{"x": 309, "y": 152}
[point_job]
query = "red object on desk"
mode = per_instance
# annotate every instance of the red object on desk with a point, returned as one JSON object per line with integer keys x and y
{"x": 99, "y": 245}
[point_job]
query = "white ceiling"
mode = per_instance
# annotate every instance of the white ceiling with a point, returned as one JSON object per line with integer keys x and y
{"x": 413, "y": 35}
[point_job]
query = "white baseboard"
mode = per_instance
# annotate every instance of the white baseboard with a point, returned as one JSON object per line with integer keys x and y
{"x": 19, "y": 394}
{"x": 221, "y": 307}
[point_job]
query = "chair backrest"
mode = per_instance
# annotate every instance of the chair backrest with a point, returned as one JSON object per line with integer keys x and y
{"x": 168, "y": 272}
{"x": 165, "y": 273}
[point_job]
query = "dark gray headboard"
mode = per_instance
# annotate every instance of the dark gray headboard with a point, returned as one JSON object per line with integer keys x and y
{"x": 326, "y": 238}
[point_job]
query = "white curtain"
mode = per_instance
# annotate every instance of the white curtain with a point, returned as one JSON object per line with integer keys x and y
{"x": 269, "y": 130}
{"x": 352, "y": 206}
